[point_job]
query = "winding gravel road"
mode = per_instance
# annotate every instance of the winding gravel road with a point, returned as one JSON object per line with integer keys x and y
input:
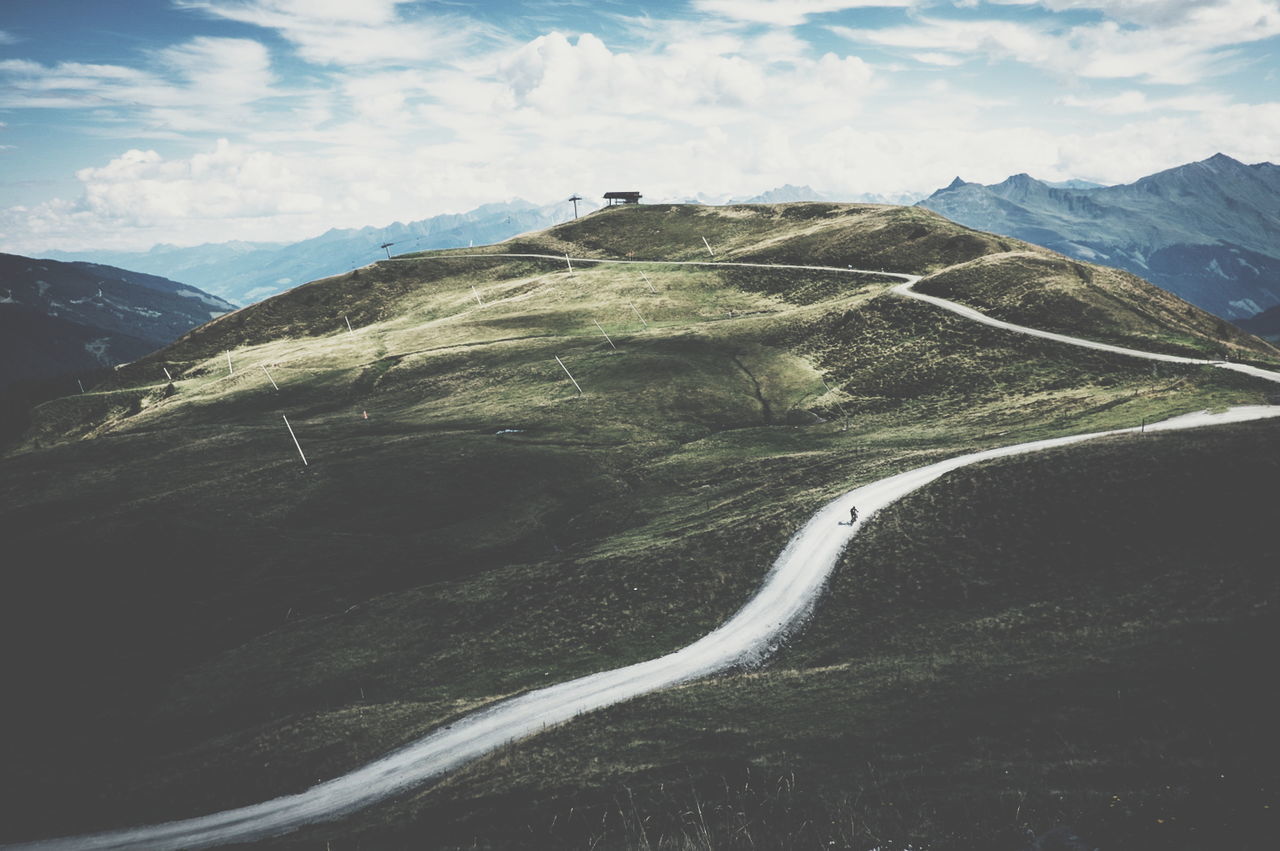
{"x": 784, "y": 600}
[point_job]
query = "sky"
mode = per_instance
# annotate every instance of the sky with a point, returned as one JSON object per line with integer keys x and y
{"x": 127, "y": 123}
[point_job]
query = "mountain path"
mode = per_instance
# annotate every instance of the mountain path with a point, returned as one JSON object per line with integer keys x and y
{"x": 785, "y": 599}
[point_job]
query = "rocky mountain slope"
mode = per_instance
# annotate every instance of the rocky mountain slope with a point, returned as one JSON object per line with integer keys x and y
{"x": 219, "y": 624}
{"x": 1265, "y": 324}
{"x": 246, "y": 272}
{"x": 1209, "y": 231}
{"x": 60, "y": 318}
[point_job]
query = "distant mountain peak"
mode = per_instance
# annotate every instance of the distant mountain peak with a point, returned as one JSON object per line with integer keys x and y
{"x": 784, "y": 194}
{"x": 1207, "y": 231}
{"x": 1021, "y": 179}
{"x": 957, "y": 183}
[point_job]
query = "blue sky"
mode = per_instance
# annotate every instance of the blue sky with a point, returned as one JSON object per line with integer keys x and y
{"x": 124, "y": 123}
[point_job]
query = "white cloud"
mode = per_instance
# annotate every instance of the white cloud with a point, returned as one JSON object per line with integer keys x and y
{"x": 785, "y": 12}
{"x": 943, "y": 59}
{"x": 140, "y": 188}
{"x": 7, "y": 38}
{"x": 1163, "y": 42}
{"x": 1133, "y": 102}
{"x": 708, "y": 106}
{"x": 233, "y": 191}
{"x": 693, "y": 82}
{"x": 1145, "y": 12}
{"x": 207, "y": 84}
{"x": 337, "y": 32}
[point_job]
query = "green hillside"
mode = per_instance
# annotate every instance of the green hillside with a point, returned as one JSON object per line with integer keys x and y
{"x": 199, "y": 620}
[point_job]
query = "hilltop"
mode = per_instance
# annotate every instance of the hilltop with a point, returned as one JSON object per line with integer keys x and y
{"x": 1206, "y": 231}
{"x": 219, "y": 624}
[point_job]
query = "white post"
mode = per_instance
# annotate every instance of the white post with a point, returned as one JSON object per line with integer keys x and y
{"x": 476, "y": 293}
{"x": 348, "y": 321}
{"x": 839, "y": 407}
{"x": 81, "y": 383}
{"x": 708, "y": 245}
{"x": 606, "y": 336}
{"x": 230, "y": 369}
{"x": 569, "y": 264}
{"x": 566, "y": 372}
{"x": 295, "y": 441}
{"x": 637, "y": 312}
{"x": 649, "y": 285}
{"x": 166, "y": 373}
{"x": 269, "y": 378}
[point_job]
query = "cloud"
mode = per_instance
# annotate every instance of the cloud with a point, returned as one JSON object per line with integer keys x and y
{"x": 714, "y": 105}
{"x": 206, "y": 84}
{"x": 140, "y": 194}
{"x": 237, "y": 191}
{"x": 7, "y": 38}
{"x": 1160, "y": 41}
{"x": 140, "y": 188}
{"x": 785, "y": 12}
{"x": 943, "y": 59}
{"x": 1134, "y": 102}
{"x": 335, "y": 32}
{"x": 694, "y": 82}
{"x": 1145, "y": 12}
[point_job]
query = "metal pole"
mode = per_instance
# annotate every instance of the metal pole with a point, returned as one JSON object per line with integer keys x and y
{"x": 78, "y": 381}
{"x": 166, "y": 373}
{"x": 839, "y": 407}
{"x": 295, "y": 441}
{"x": 606, "y": 336}
{"x": 649, "y": 285}
{"x": 708, "y": 245}
{"x": 566, "y": 372}
{"x": 475, "y": 293}
{"x": 348, "y": 321}
{"x": 230, "y": 369}
{"x": 269, "y": 378}
{"x": 569, "y": 264}
{"x": 637, "y": 312}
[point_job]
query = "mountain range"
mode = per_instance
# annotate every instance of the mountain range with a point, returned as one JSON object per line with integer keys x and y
{"x": 1207, "y": 231}
{"x": 61, "y": 318}
{"x": 246, "y": 272}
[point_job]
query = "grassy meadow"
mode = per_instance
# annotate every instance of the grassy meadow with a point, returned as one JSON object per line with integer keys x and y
{"x": 198, "y": 620}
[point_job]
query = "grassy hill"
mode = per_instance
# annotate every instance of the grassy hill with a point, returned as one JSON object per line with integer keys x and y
{"x": 199, "y": 620}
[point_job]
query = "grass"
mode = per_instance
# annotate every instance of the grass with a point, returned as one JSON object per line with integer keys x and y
{"x": 1097, "y": 303}
{"x": 218, "y": 624}
{"x": 978, "y": 673}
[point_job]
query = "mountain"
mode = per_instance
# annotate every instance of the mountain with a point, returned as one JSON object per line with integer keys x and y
{"x": 1208, "y": 232}
{"x": 218, "y": 624}
{"x": 784, "y": 194}
{"x": 790, "y": 194}
{"x": 1073, "y": 183}
{"x": 62, "y": 318}
{"x": 246, "y": 272}
{"x": 1265, "y": 324}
